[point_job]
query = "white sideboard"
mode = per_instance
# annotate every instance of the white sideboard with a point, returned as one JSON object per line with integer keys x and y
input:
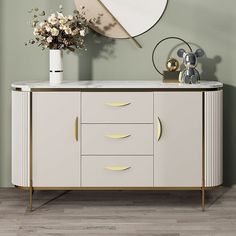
{"x": 117, "y": 135}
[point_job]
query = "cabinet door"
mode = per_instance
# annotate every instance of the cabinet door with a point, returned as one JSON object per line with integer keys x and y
{"x": 56, "y": 149}
{"x": 178, "y": 152}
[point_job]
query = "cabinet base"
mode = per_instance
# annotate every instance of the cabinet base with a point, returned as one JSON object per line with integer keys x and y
{"x": 32, "y": 189}
{"x": 117, "y": 188}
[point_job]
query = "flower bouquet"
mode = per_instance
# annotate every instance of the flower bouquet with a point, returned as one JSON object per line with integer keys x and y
{"x": 59, "y": 32}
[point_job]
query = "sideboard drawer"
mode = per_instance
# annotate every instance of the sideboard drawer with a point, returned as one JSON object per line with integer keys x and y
{"x": 117, "y": 139}
{"x": 116, "y": 171}
{"x": 117, "y": 107}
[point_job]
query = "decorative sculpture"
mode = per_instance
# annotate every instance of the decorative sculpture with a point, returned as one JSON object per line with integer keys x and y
{"x": 190, "y": 74}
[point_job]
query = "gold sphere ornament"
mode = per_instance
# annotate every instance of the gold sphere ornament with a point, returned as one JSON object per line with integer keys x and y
{"x": 172, "y": 64}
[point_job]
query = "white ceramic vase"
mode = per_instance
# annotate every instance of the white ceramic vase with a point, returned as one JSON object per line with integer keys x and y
{"x": 56, "y": 66}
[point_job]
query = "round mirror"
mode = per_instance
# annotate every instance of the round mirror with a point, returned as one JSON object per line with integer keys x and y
{"x": 123, "y": 18}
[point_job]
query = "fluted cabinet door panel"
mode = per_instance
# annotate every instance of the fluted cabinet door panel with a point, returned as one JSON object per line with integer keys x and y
{"x": 213, "y": 138}
{"x": 56, "y": 152}
{"x": 178, "y": 152}
{"x": 20, "y": 138}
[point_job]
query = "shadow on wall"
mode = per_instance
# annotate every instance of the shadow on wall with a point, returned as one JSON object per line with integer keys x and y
{"x": 229, "y": 135}
{"x": 97, "y": 47}
{"x": 209, "y": 67}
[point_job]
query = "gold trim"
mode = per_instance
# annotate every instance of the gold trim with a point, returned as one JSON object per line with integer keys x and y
{"x": 119, "y": 188}
{"x": 117, "y": 136}
{"x": 118, "y": 89}
{"x": 117, "y": 168}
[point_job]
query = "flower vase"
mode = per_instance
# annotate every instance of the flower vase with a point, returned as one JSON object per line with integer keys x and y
{"x": 56, "y": 66}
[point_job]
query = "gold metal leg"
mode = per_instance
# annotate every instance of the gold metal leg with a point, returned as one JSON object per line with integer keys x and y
{"x": 203, "y": 199}
{"x": 31, "y": 198}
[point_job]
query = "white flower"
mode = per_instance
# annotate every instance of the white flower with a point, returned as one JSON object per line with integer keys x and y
{"x": 82, "y": 32}
{"x": 36, "y": 31}
{"x": 42, "y": 24}
{"x": 54, "y": 31}
{"x": 60, "y": 15}
{"x": 70, "y": 17}
{"x": 63, "y": 20}
{"x": 75, "y": 32}
{"x": 48, "y": 28}
{"x": 49, "y": 39}
{"x": 68, "y": 31}
{"x": 52, "y": 19}
{"x": 63, "y": 27}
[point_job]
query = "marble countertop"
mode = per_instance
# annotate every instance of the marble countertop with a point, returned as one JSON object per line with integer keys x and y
{"x": 31, "y": 86}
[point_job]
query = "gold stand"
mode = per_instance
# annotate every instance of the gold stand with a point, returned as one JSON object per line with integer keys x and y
{"x": 201, "y": 189}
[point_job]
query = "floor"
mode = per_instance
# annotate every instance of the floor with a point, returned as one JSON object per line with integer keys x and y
{"x": 113, "y": 213}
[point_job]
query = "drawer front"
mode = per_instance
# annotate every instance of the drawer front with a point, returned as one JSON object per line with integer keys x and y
{"x": 115, "y": 171}
{"x": 117, "y": 107}
{"x": 117, "y": 139}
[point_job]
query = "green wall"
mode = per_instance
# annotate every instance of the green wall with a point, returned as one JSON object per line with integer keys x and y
{"x": 211, "y": 25}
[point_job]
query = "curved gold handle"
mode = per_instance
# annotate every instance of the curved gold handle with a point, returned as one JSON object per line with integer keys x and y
{"x": 159, "y": 128}
{"x": 76, "y": 128}
{"x": 117, "y": 168}
{"x": 117, "y": 104}
{"x": 118, "y": 136}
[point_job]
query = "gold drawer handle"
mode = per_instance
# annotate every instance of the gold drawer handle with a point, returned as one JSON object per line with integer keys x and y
{"x": 159, "y": 128}
{"x": 76, "y": 128}
{"x": 118, "y": 136}
{"x": 117, "y": 104}
{"x": 117, "y": 168}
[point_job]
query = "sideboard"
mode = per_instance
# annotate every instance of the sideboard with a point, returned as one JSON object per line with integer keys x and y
{"x": 117, "y": 135}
